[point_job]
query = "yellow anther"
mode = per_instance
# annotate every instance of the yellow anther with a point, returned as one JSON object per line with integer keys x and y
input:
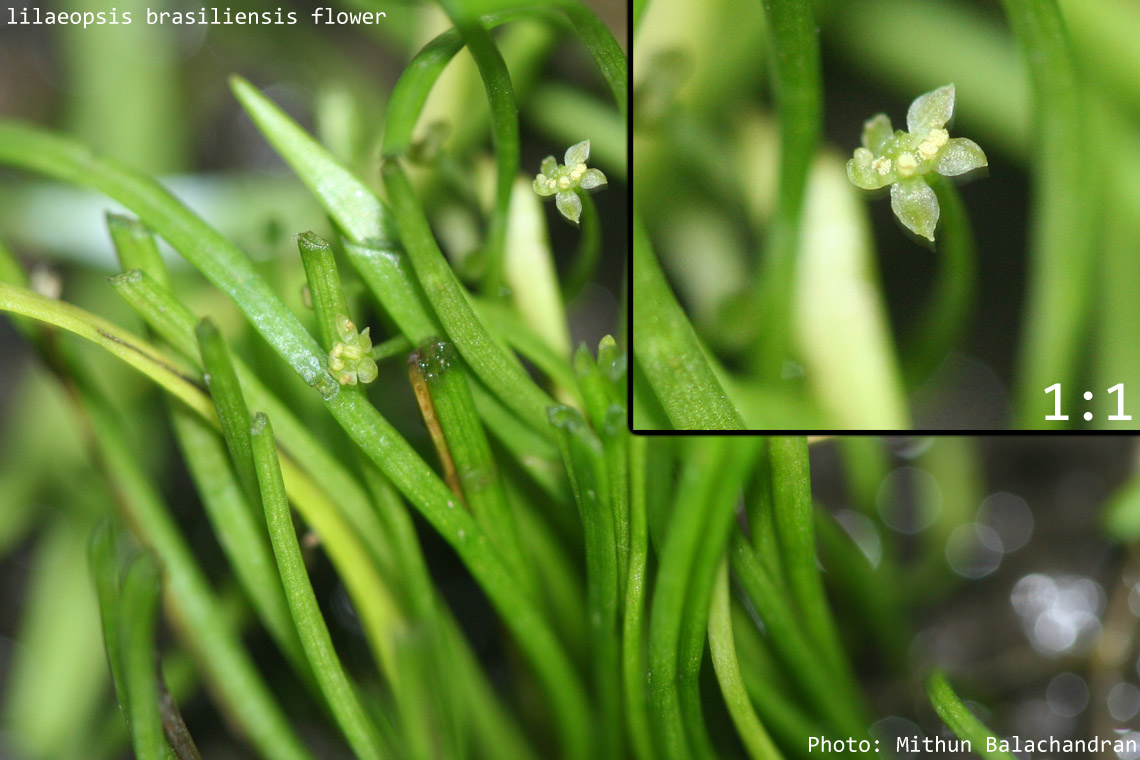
{"x": 564, "y": 183}
{"x": 928, "y": 149}
{"x": 907, "y": 164}
{"x": 938, "y": 137}
{"x": 882, "y": 165}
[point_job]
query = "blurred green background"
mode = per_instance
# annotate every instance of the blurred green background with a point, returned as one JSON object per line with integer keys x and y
{"x": 1011, "y": 563}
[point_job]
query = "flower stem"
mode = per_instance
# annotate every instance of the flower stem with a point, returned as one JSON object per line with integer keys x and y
{"x": 311, "y": 626}
{"x": 947, "y": 315}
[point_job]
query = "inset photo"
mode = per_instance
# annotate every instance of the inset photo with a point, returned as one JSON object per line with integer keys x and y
{"x": 886, "y": 215}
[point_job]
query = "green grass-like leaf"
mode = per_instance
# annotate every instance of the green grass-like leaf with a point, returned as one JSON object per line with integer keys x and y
{"x": 243, "y": 539}
{"x": 389, "y": 276}
{"x": 176, "y": 325}
{"x": 633, "y": 613}
{"x": 585, "y": 464}
{"x": 438, "y": 691}
{"x": 478, "y": 475}
{"x": 165, "y": 370}
{"x": 365, "y": 221}
{"x": 426, "y": 491}
{"x": 498, "y": 370}
{"x": 793, "y": 511}
{"x": 505, "y": 132}
{"x": 668, "y": 350}
{"x": 788, "y": 639}
{"x": 325, "y": 287}
{"x": 225, "y": 390}
{"x": 139, "y": 657}
{"x": 364, "y": 584}
{"x": 314, "y": 633}
{"x": 519, "y": 336}
{"x": 103, "y": 555}
{"x": 722, "y": 647}
{"x": 706, "y": 495}
{"x": 198, "y": 614}
{"x": 215, "y": 256}
{"x": 712, "y": 546}
{"x": 959, "y": 718}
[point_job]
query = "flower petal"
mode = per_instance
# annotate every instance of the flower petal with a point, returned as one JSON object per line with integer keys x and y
{"x": 959, "y": 156}
{"x": 862, "y": 174}
{"x": 577, "y": 154}
{"x": 916, "y": 206}
{"x": 931, "y": 111}
{"x": 366, "y": 371}
{"x": 591, "y": 179}
{"x": 541, "y": 187}
{"x": 549, "y": 164}
{"x": 345, "y": 328}
{"x": 569, "y": 204}
{"x": 877, "y": 131}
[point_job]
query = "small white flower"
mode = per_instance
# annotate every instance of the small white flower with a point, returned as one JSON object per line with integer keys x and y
{"x": 901, "y": 159}
{"x": 561, "y": 181}
{"x": 350, "y": 360}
